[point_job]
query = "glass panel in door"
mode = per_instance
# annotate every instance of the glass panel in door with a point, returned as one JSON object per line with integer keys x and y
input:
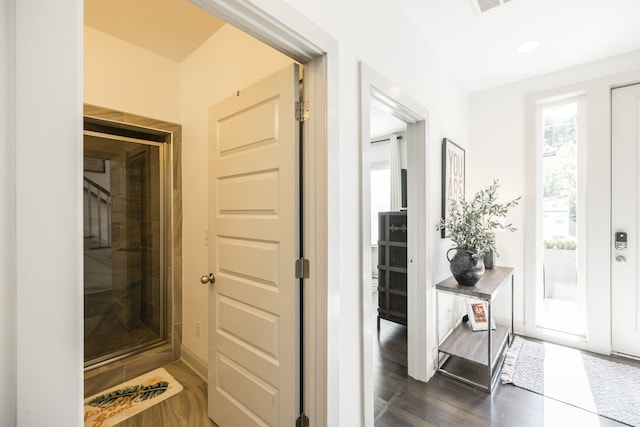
{"x": 562, "y": 292}
{"x": 123, "y": 291}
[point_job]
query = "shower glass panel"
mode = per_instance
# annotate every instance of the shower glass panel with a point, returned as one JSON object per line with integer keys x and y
{"x": 123, "y": 246}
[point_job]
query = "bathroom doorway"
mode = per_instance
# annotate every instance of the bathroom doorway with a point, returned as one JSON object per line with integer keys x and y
{"x": 124, "y": 212}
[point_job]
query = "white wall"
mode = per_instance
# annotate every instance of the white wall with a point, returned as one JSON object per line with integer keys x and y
{"x": 124, "y": 77}
{"x": 374, "y": 32}
{"x": 229, "y": 61}
{"x": 8, "y": 360}
{"x": 48, "y": 206}
{"x": 498, "y": 150}
{"x": 49, "y": 72}
{"x": 377, "y": 33}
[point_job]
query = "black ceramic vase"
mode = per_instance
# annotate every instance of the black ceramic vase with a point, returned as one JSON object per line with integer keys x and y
{"x": 466, "y": 269}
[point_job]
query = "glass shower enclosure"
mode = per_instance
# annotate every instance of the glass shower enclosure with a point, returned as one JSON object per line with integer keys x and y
{"x": 124, "y": 262}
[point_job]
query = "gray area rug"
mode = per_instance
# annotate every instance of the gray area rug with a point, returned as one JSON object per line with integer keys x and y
{"x": 600, "y": 386}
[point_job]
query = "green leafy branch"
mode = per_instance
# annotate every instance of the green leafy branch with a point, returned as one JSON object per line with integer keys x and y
{"x": 471, "y": 223}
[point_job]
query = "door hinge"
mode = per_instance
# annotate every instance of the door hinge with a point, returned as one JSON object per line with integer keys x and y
{"x": 302, "y": 268}
{"x": 302, "y": 421}
{"x": 302, "y": 111}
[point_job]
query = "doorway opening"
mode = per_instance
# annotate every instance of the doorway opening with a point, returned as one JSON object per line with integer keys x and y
{"x": 124, "y": 215}
{"x": 398, "y": 256}
{"x": 196, "y": 98}
{"x": 388, "y": 189}
{"x": 389, "y": 238}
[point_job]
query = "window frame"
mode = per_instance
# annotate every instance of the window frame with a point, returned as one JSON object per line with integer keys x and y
{"x": 534, "y": 246}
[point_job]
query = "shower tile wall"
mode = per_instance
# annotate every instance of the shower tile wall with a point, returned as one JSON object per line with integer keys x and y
{"x": 130, "y": 367}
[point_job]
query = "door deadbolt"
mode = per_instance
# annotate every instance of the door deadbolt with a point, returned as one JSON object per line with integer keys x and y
{"x": 210, "y": 279}
{"x": 621, "y": 241}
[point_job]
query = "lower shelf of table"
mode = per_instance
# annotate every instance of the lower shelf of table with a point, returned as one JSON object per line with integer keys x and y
{"x": 473, "y": 345}
{"x": 465, "y": 355}
{"x": 471, "y": 373}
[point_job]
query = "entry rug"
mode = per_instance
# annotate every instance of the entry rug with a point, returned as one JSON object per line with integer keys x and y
{"x": 599, "y": 386}
{"x": 118, "y": 403}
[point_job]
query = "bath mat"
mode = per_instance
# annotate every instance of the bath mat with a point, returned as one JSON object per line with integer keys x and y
{"x": 599, "y": 386}
{"x": 118, "y": 403}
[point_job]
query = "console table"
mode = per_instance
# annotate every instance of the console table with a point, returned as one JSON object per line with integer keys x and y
{"x": 476, "y": 357}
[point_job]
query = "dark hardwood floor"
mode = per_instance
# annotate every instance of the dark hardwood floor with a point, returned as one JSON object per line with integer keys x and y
{"x": 401, "y": 401}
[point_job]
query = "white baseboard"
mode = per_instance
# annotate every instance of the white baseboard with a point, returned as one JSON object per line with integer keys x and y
{"x": 198, "y": 365}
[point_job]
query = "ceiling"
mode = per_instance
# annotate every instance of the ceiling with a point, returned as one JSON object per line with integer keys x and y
{"x": 479, "y": 50}
{"x": 382, "y": 123}
{"x": 170, "y": 28}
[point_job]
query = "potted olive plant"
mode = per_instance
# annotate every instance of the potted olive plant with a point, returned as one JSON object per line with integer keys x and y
{"x": 471, "y": 224}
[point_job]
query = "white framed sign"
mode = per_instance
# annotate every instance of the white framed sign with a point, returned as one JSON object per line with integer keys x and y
{"x": 453, "y": 176}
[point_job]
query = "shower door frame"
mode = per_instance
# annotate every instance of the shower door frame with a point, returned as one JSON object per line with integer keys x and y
{"x": 118, "y": 131}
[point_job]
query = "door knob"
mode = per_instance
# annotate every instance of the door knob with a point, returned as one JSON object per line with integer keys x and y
{"x": 210, "y": 279}
{"x": 621, "y": 259}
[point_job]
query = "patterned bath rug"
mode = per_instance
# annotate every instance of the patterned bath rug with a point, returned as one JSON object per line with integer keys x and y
{"x": 118, "y": 403}
{"x": 567, "y": 375}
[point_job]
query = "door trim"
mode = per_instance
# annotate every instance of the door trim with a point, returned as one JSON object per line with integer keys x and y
{"x": 280, "y": 26}
{"x": 624, "y": 280}
{"x": 420, "y": 336}
{"x": 534, "y": 251}
{"x": 598, "y": 95}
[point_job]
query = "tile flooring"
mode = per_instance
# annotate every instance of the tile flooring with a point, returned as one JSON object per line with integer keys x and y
{"x": 186, "y": 409}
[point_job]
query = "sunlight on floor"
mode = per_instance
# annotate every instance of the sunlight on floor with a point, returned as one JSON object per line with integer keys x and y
{"x": 558, "y": 414}
{"x": 565, "y": 375}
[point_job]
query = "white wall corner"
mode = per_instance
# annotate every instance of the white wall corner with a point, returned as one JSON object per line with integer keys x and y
{"x": 198, "y": 365}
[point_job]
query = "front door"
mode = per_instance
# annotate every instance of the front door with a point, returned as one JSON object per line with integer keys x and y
{"x": 253, "y": 244}
{"x": 625, "y": 283}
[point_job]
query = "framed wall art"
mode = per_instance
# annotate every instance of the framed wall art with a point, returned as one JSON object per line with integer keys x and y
{"x": 453, "y": 176}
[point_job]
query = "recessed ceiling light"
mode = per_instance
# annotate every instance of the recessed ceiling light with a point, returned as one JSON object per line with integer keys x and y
{"x": 527, "y": 46}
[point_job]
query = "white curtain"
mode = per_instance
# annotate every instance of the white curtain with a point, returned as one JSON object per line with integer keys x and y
{"x": 395, "y": 167}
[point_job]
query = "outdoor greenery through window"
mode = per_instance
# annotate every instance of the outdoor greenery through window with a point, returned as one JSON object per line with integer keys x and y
{"x": 560, "y": 171}
{"x": 560, "y": 216}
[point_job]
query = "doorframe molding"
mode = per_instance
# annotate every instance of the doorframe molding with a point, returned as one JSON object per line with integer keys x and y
{"x": 420, "y": 333}
{"x": 534, "y": 249}
{"x": 172, "y": 239}
{"x": 597, "y": 91}
{"x": 623, "y": 116}
{"x": 283, "y": 28}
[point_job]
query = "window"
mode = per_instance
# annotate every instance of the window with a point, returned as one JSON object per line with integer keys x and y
{"x": 380, "y": 198}
{"x": 561, "y": 308}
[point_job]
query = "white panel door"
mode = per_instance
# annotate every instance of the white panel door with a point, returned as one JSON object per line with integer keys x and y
{"x": 625, "y": 193}
{"x": 253, "y": 243}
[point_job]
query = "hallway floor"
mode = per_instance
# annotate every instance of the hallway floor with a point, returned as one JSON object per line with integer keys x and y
{"x": 402, "y": 401}
{"x": 399, "y": 400}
